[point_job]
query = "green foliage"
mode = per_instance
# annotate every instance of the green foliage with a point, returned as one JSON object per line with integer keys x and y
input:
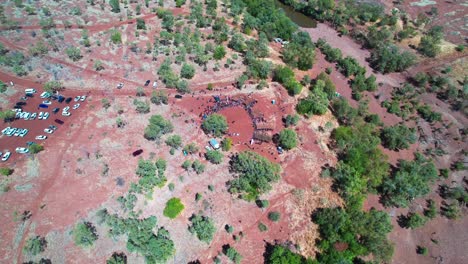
{"x": 237, "y": 42}
{"x": 262, "y": 203}
{"x": 214, "y": 156}
{"x": 300, "y": 53}
{"x": 3, "y": 87}
{"x": 7, "y": 115}
{"x": 421, "y": 250}
{"x": 35, "y": 245}
{"x": 287, "y": 139}
{"x": 232, "y": 254}
{"x": 203, "y": 227}
{"x": 151, "y": 175}
{"x": 167, "y": 75}
{"x": 215, "y": 125}
{"x": 281, "y": 255}
{"x": 191, "y": 148}
{"x": 388, "y": 58}
{"x": 98, "y": 65}
{"x": 180, "y": 3}
{"x": 291, "y": 120}
{"x": 35, "y": 148}
{"x": 174, "y": 141}
{"x": 451, "y": 211}
{"x": 427, "y": 114}
{"x": 187, "y": 164}
{"x": 116, "y": 36}
{"x": 430, "y": 43}
{"x": 159, "y": 97}
{"x": 226, "y": 144}
{"x": 141, "y": 23}
{"x": 173, "y": 208}
{"x": 262, "y": 227}
{"x": 40, "y": 49}
{"x": 274, "y": 216}
{"x": 412, "y": 220}
{"x": 74, "y": 53}
{"x": 117, "y": 258}
{"x": 115, "y": 7}
{"x": 6, "y": 171}
{"x": 156, "y": 248}
{"x": 219, "y": 52}
{"x": 323, "y": 81}
{"x": 229, "y": 229}
{"x": 316, "y": 103}
{"x": 285, "y": 76}
{"x": 53, "y": 86}
{"x": 84, "y": 234}
{"x": 254, "y": 174}
{"x": 363, "y": 233}
{"x": 157, "y": 127}
{"x": 141, "y": 107}
{"x": 398, "y": 137}
{"x": 187, "y": 71}
{"x": 410, "y": 180}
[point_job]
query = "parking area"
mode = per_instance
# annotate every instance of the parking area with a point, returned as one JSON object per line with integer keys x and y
{"x": 39, "y": 115}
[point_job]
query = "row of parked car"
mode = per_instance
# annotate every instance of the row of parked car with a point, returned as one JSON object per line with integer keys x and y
{"x": 13, "y": 131}
{"x": 32, "y": 116}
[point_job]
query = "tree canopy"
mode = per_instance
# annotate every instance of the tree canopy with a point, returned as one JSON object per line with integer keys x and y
{"x": 215, "y": 125}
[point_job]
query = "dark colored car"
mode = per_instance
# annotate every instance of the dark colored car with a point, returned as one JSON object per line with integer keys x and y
{"x": 58, "y": 121}
{"x": 54, "y": 97}
{"x": 21, "y": 103}
{"x": 56, "y": 109}
{"x": 18, "y": 107}
{"x": 147, "y": 82}
{"x": 68, "y": 100}
{"x": 29, "y": 95}
{"x": 178, "y": 96}
{"x": 137, "y": 152}
{"x": 43, "y": 106}
{"x": 60, "y": 99}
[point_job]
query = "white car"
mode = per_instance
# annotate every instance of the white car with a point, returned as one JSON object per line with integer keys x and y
{"x": 46, "y": 115}
{"x": 82, "y": 98}
{"x": 18, "y": 115}
{"x": 66, "y": 114}
{"x": 64, "y": 110}
{"x": 155, "y": 84}
{"x": 41, "y": 137}
{"x": 22, "y": 150}
{"x": 45, "y": 95}
{"x": 41, "y": 115}
{"x": 47, "y": 102}
{"x": 5, "y": 130}
{"x": 6, "y": 156}
{"x": 33, "y": 116}
{"x": 23, "y": 133}
{"x": 18, "y": 132}
{"x": 11, "y": 132}
{"x": 26, "y": 116}
{"x": 49, "y": 131}
{"x": 76, "y": 106}
{"x": 77, "y": 98}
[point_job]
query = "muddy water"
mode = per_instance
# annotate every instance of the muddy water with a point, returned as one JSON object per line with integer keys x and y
{"x": 297, "y": 17}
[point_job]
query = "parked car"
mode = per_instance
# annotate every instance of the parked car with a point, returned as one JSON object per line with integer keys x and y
{"x": 53, "y": 97}
{"x": 147, "y": 82}
{"x": 137, "y": 152}
{"x": 18, "y": 107}
{"x": 29, "y": 95}
{"x": 48, "y": 131}
{"x": 30, "y": 91}
{"x": 18, "y": 132}
{"x": 20, "y": 103}
{"x": 46, "y": 115}
{"x": 23, "y": 133}
{"x": 120, "y": 86}
{"x": 66, "y": 113}
{"x": 58, "y": 121}
{"x": 24, "y": 98}
{"x": 155, "y": 84}
{"x": 178, "y": 96}
{"x": 68, "y": 100}
{"x": 56, "y": 109}
{"x": 76, "y": 106}
{"x": 47, "y": 102}
{"x": 11, "y": 132}
{"x": 22, "y": 150}
{"x": 5, "y": 130}
{"x": 41, "y": 115}
{"x": 43, "y": 106}
{"x": 66, "y": 109}
{"x": 45, "y": 95}
{"x": 82, "y": 98}
{"x": 60, "y": 99}
{"x": 33, "y": 116}
{"x": 77, "y": 98}
{"x": 52, "y": 127}
{"x": 41, "y": 137}
{"x": 6, "y": 156}
{"x": 26, "y": 116}
{"x": 29, "y": 143}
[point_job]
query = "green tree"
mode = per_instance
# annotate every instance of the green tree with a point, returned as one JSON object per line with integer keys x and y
{"x": 274, "y": 216}
{"x": 214, "y": 156}
{"x": 215, "y": 124}
{"x": 84, "y": 234}
{"x": 53, "y": 86}
{"x": 6, "y": 171}
{"x": 198, "y": 167}
{"x": 74, "y": 53}
{"x": 226, "y": 144}
{"x": 117, "y": 258}
{"x": 187, "y": 71}
{"x": 219, "y": 52}
{"x": 157, "y": 127}
{"x": 412, "y": 220}
{"x": 159, "y": 97}
{"x": 141, "y": 23}
{"x": 316, "y": 103}
{"x": 291, "y": 120}
{"x": 398, "y": 137}
{"x": 35, "y": 245}
{"x": 232, "y": 254}
{"x": 3, "y": 87}
{"x": 115, "y": 6}
{"x": 141, "y": 107}
{"x": 116, "y": 36}
{"x": 278, "y": 255}
{"x": 287, "y": 139}
{"x": 36, "y": 148}
{"x": 174, "y": 141}
{"x": 173, "y": 208}
{"x": 203, "y": 227}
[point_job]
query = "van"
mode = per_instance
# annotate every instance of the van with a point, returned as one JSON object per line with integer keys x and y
{"x": 30, "y": 91}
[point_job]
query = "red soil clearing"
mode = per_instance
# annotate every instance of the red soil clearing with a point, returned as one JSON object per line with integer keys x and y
{"x": 240, "y": 125}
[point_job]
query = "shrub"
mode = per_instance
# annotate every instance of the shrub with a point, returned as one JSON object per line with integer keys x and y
{"x": 53, "y": 86}
{"x": 159, "y": 97}
{"x": 274, "y": 216}
{"x": 141, "y": 107}
{"x": 157, "y": 127}
{"x": 98, "y": 66}
{"x": 398, "y": 137}
{"x": 215, "y": 124}
{"x": 198, "y": 167}
{"x": 203, "y": 227}
{"x": 316, "y": 103}
{"x": 173, "y": 208}
{"x": 262, "y": 203}
{"x": 412, "y": 220}
{"x": 187, "y": 71}
{"x": 74, "y": 53}
{"x": 36, "y": 148}
{"x": 226, "y": 144}
{"x": 388, "y": 58}
{"x": 117, "y": 258}
{"x": 3, "y": 87}
{"x": 229, "y": 229}
{"x": 6, "y": 171}
{"x": 174, "y": 141}
{"x": 84, "y": 234}
{"x": 280, "y": 254}
{"x": 421, "y": 250}
{"x": 35, "y": 245}
{"x": 219, "y": 52}
{"x": 431, "y": 210}
{"x": 214, "y": 156}
{"x": 187, "y": 164}
{"x": 115, "y": 6}
{"x": 287, "y": 139}
{"x": 116, "y": 36}
{"x": 262, "y": 227}
{"x": 191, "y": 148}
{"x": 141, "y": 23}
